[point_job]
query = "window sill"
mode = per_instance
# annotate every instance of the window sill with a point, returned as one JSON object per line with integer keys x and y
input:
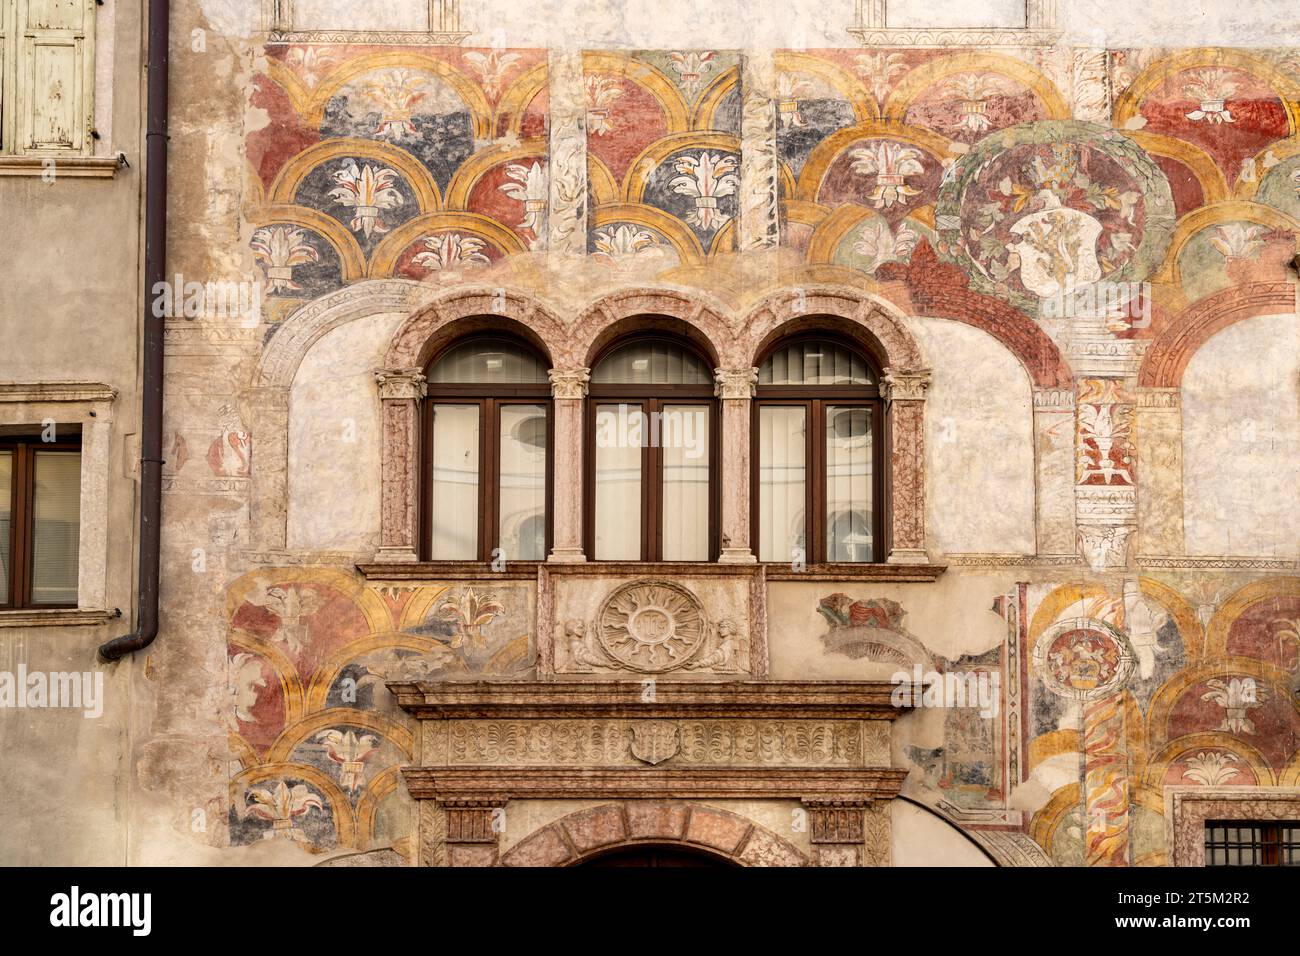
{"x": 65, "y": 167}
{"x": 897, "y": 573}
{"x": 56, "y": 617}
{"x": 447, "y": 570}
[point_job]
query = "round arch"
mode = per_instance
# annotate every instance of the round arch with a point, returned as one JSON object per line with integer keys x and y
{"x": 466, "y": 310}
{"x": 703, "y": 322}
{"x": 585, "y": 835}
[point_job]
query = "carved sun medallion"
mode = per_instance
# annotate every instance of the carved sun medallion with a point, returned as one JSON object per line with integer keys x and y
{"x": 1083, "y": 659}
{"x": 651, "y": 626}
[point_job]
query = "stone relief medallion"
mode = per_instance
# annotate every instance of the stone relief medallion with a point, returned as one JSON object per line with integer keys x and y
{"x": 1045, "y": 210}
{"x": 1083, "y": 659}
{"x": 654, "y": 741}
{"x": 651, "y": 626}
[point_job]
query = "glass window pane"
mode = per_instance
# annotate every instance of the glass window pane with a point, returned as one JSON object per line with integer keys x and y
{"x": 522, "y": 505}
{"x": 453, "y": 491}
{"x": 651, "y": 362}
{"x": 782, "y": 482}
{"x": 813, "y": 362}
{"x": 684, "y": 440}
{"x": 56, "y": 531}
{"x": 619, "y": 436}
{"x": 848, "y": 483}
{"x": 488, "y": 360}
{"x": 6, "y": 499}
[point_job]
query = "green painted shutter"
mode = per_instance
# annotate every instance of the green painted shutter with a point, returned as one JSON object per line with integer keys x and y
{"x": 56, "y": 40}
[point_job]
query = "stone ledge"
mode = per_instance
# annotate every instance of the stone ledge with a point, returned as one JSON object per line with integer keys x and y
{"x": 898, "y": 573}
{"x": 56, "y": 617}
{"x": 578, "y": 699}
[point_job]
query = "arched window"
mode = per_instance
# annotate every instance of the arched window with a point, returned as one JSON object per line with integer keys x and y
{"x": 819, "y": 441}
{"x": 486, "y": 474}
{"x": 651, "y": 491}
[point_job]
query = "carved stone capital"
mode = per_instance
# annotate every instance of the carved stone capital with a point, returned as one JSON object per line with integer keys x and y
{"x": 735, "y": 382}
{"x": 400, "y": 384}
{"x": 569, "y": 382}
{"x": 905, "y": 385}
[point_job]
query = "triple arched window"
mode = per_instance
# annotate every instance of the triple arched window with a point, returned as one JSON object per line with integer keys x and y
{"x": 651, "y": 483}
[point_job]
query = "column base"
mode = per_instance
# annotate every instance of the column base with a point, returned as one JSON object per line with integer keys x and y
{"x": 566, "y": 556}
{"x": 907, "y": 556}
{"x": 737, "y": 556}
{"x": 401, "y": 555}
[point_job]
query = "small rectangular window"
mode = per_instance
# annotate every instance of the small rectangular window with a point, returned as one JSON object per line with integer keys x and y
{"x": 40, "y": 521}
{"x": 1252, "y": 843}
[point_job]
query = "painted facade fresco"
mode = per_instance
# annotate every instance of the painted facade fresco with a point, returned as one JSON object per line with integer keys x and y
{"x": 1101, "y": 214}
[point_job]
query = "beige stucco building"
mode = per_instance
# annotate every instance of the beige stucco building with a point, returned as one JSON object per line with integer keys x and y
{"x": 806, "y": 436}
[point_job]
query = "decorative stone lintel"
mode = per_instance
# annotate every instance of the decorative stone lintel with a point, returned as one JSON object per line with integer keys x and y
{"x": 735, "y": 383}
{"x": 569, "y": 382}
{"x": 401, "y": 384}
{"x": 905, "y": 385}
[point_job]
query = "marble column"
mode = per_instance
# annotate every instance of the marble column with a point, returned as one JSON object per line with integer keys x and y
{"x": 568, "y": 390}
{"x": 735, "y": 387}
{"x": 904, "y": 391}
{"x": 400, "y": 393}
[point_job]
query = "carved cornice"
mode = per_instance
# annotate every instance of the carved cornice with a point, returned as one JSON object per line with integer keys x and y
{"x": 369, "y": 37}
{"x": 676, "y": 783}
{"x": 954, "y": 37}
{"x": 735, "y": 383}
{"x": 574, "y": 700}
{"x": 895, "y": 573}
{"x": 905, "y": 385}
{"x": 569, "y": 382}
{"x": 400, "y": 384}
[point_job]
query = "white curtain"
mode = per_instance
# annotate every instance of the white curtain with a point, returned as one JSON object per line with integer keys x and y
{"x": 453, "y": 493}
{"x": 782, "y": 477}
{"x": 848, "y": 483}
{"x": 56, "y": 528}
{"x": 523, "y": 482}
{"x": 684, "y": 444}
{"x": 618, "y": 482}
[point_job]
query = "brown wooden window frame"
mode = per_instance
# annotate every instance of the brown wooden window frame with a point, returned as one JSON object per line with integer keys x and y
{"x": 814, "y": 399}
{"x": 22, "y": 517}
{"x": 1268, "y": 847}
{"x": 651, "y": 398}
{"x": 490, "y": 398}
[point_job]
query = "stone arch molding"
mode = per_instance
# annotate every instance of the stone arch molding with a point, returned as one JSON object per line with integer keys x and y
{"x": 584, "y": 834}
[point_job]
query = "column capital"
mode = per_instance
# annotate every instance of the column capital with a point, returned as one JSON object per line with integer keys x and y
{"x": 400, "y": 384}
{"x": 905, "y": 384}
{"x": 569, "y": 382}
{"x": 735, "y": 382}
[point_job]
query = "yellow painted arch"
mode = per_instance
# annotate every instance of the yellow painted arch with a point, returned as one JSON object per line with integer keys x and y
{"x": 648, "y": 161}
{"x": 704, "y": 115}
{"x": 282, "y": 749}
{"x": 684, "y": 241}
{"x": 1199, "y": 219}
{"x": 514, "y": 101}
{"x": 468, "y": 91}
{"x": 345, "y": 825}
{"x": 917, "y": 81}
{"x": 389, "y": 250}
{"x": 478, "y": 165}
{"x": 839, "y": 79}
{"x": 1214, "y": 187}
{"x": 654, "y": 81}
{"x": 285, "y": 186}
{"x": 828, "y": 150}
{"x": 352, "y": 260}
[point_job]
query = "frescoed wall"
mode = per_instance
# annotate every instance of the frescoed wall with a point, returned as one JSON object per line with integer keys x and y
{"x": 1085, "y": 252}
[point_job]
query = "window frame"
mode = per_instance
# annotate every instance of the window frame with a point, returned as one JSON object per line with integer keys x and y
{"x": 489, "y": 397}
{"x": 22, "y": 518}
{"x": 1270, "y": 843}
{"x": 814, "y": 399}
{"x": 651, "y": 398}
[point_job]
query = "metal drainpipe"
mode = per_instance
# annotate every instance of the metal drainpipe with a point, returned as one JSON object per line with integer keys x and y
{"x": 155, "y": 264}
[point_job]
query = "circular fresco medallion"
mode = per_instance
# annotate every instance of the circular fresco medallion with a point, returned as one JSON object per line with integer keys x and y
{"x": 1083, "y": 658}
{"x": 651, "y": 625}
{"x": 1046, "y": 209}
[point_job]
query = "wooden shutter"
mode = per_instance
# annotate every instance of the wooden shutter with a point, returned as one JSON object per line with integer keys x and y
{"x": 55, "y": 60}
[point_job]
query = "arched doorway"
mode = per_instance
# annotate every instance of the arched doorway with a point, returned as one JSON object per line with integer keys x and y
{"x": 656, "y": 855}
